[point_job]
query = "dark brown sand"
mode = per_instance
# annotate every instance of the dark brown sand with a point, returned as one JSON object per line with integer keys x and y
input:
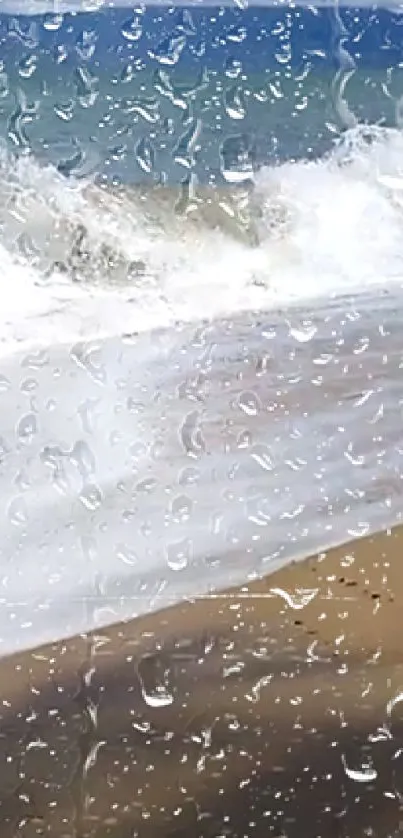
{"x": 280, "y": 712}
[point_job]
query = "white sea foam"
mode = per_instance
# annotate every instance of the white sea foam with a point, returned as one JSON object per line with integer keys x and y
{"x": 339, "y": 230}
{"x": 142, "y": 460}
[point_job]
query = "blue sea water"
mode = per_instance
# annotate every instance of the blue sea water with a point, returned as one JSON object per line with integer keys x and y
{"x": 158, "y": 92}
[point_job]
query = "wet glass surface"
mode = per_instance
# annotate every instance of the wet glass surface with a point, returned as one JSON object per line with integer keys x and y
{"x": 200, "y": 388}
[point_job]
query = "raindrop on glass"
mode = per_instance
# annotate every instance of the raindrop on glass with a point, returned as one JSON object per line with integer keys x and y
{"x": 249, "y": 403}
{"x": 91, "y": 497}
{"x": 132, "y": 29}
{"x": 17, "y": 512}
{"x": 145, "y": 155}
{"x": 154, "y": 683}
{"x": 169, "y": 50}
{"x": 178, "y": 554}
{"x": 27, "y": 427}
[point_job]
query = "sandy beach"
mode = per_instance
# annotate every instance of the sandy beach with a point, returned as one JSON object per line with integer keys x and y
{"x": 270, "y": 709}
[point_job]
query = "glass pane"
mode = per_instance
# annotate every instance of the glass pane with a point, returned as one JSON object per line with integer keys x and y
{"x": 201, "y": 394}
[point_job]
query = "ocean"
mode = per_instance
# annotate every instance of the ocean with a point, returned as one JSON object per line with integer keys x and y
{"x": 202, "y": 260}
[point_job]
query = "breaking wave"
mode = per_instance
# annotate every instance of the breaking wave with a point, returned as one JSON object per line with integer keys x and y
{"x": 301, "y": 230}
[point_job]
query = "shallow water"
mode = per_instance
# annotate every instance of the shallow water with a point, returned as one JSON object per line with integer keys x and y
{"x": 174, "y": 462}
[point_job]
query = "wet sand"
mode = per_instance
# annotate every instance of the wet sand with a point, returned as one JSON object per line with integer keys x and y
{"x": 273, "y": 709}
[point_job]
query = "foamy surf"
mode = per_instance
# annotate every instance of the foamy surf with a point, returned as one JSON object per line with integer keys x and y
{"x": 92, "y": 261}
{"x": 223, "y": 411}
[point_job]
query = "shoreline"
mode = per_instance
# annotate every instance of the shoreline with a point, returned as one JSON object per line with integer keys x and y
{"x": 214, "y": 715}
{"x": 169, "y": 462}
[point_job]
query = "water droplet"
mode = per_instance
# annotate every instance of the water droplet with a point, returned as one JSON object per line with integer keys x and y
{"x": 181, "y": 508}
{"x": 86, "y": 44}
{"x": 302, "y": 104}
{"x": 146, "y": 107}
{"x": 4, "y": 384}
{"x": 127, "y": 75}
{"x": 168, "y": 126}
{"x": 233, "y": 67}
{"x": 51, "y": 456}
{"x": 27, "y": 66}
{"x": 191, "y": 435}
{"x": 184, "y": 22}
{"x": 64, "y": 110}
{"x": 392, "y": 703}
{"x": 234, "y": 102}
{"x": 179, "y": 553}
{"x": 254, "y": 695}
{"x": 86, "y": 86}
{"x": 26, "y": 32}
{"x": 355, "y": 460}
{"x": 36, "y": 360}
{"x": 154, "y": 682}
{"x": 84, "y": 356}
{"x": 126, "y": 555}
{"x": 365, "y": 774}
{"x": 27, "y": 427}
{"x": 91, "y": 497}
{"x": 61, "y": 481}
{"x": 187, "y": 144}
{"x": 4, "y": 448}
{"x": 132, "y": 28}
{"x": 249, "y": 403}
{"x": 60, "y": 54}
{"x": 17, "y": 512}
{"x": 258, "y": 510}
{"x": 4, "y": 85}
{"x": 283, "y": 55}
{"x": 198, "y": 49}
{"x": 145, "y": 154}
{"x": 146, "y": 486}
{"x": 262, "y": 455}
{"x": 88, "y": 415}
{"x": 23, "y": 114}
{"x": 162, "y": 84}
{"x": 169, "y": 50}
{"x": 360, "y": 530}
{"x": 52, "y": 22}
{"x": 303, "y": 333}
{"x": 244, "y": 439}
{"x": 237, "y": 34}
{"x": 236, "y": 159}
{"x": 26, "y": 247}
{"x": 294, "y": 513}
{"x": 89, "y": 548}
{"x": 189, "y": 476}
{"x": 28, "y": 385}
{"x": 298, "y": 600}
{"x": 83, "y": 458}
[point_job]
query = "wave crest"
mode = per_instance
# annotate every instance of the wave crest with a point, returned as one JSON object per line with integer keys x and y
{"x": 105, "y": 234}
{"x": 302, "y": 229}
